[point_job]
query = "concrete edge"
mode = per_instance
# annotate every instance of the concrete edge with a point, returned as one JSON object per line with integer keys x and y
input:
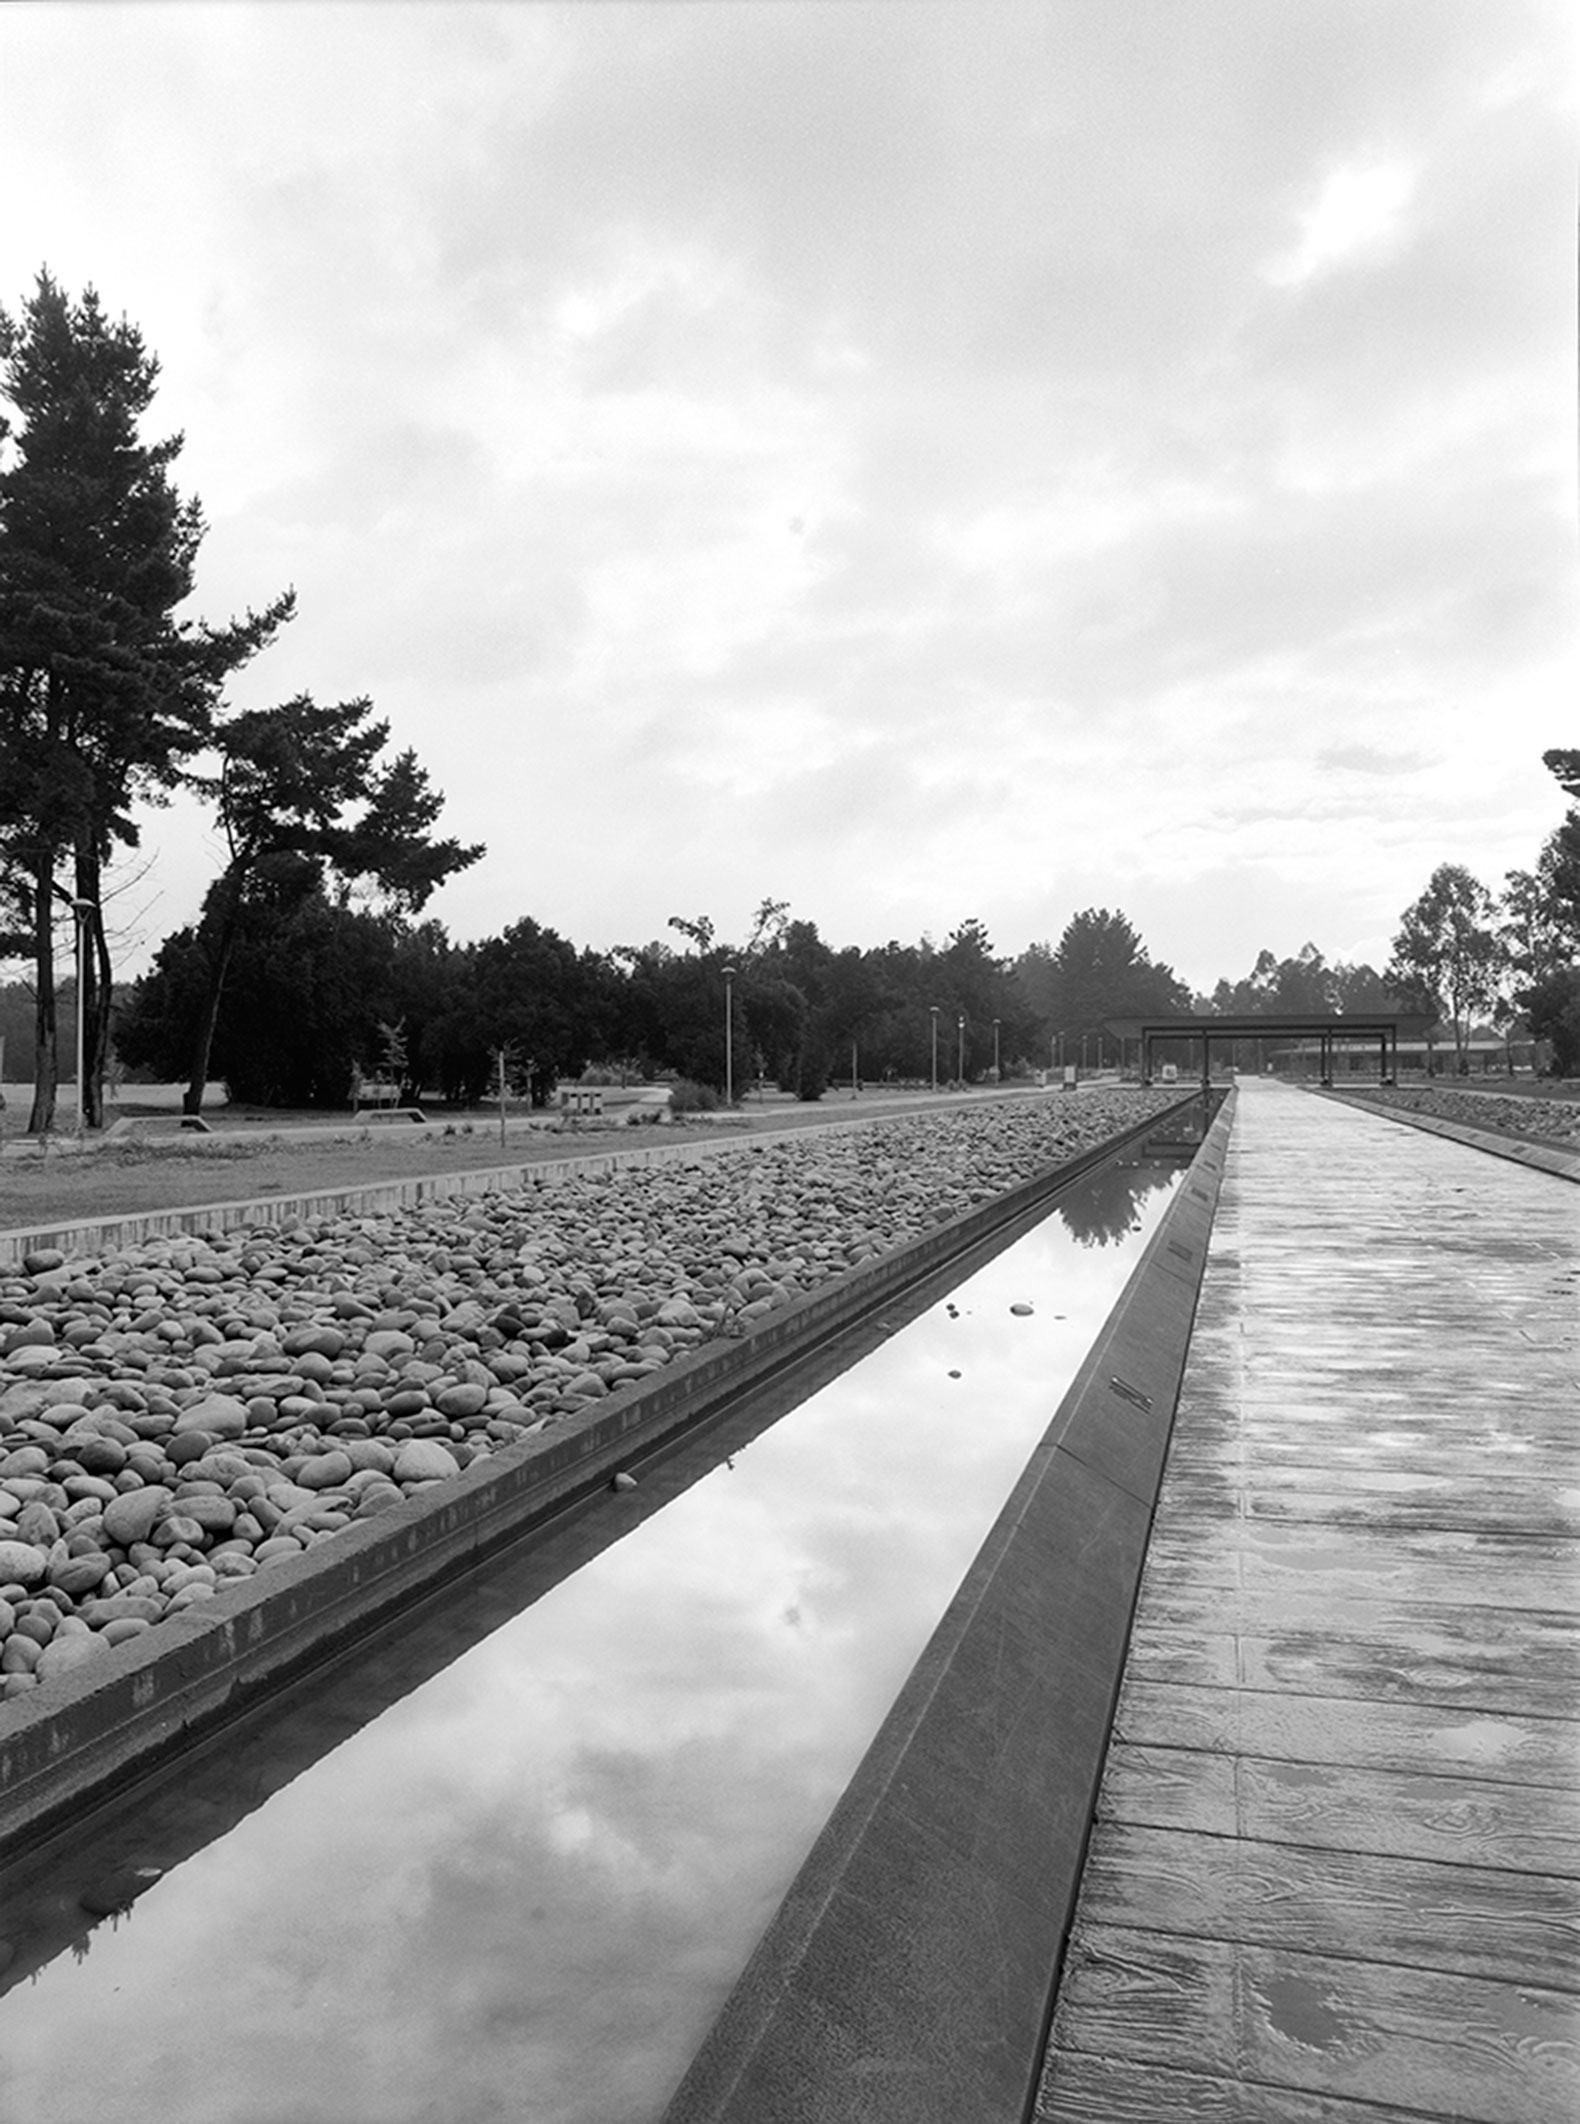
{"x": 92, "y": 1235}
{"x": 907, "y": 1977}
{"x": 1537, "y": 1157}
{"x": 61, "y": 1745}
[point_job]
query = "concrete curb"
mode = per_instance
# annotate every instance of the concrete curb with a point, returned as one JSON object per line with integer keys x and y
{"x": 60, "y": 1745}
{"x": 1539, "y": 1157}
{"x": 907, "y": 1977}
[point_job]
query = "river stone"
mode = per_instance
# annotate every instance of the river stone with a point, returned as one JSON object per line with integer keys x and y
{"x": 32, "y": 1334}
{"x": 381, "y": 1495}
{"x": 388, "y": 1343}
{"x": 24, "y": 1460}
{"x": 134, "y": 1514}
{"x": 180, "y": 1527}
{"x": 370, "y": 1453}
{"x": 62, "y": 1415}
{"x": 467, "y": 1399}
{"x": 37, "y": 1525}
{"x": 77, "y": 1575}
{"x": 121, "y": 1607}
{"x": 215, "y": 1515}
{"x": 125, "y": 1628}
{"x": 326, "y": 1471}
{"x": 424, "y": 1460}
{"x": 32, "y": 1357}
{"x": 317, "y": 1338}
{"x": 101, "y": 1456}
{"x": 62, "y": 1654}
{"x": 21, "y": 1564}
{"x": 220, "y": 1415}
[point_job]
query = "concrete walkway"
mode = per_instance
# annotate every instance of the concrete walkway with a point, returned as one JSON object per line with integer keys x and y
{"x": 1335, "y": 1877}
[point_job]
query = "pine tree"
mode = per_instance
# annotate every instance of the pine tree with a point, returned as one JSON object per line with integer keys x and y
{"x": 105, "y": 696}
{"x": 288, "y": 791}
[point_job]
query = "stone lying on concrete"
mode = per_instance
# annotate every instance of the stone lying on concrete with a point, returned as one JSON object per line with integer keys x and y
{"x": 191, "y": 1410}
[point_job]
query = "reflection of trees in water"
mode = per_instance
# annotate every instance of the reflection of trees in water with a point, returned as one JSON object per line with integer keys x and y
{"x": 1103, "y": 1208}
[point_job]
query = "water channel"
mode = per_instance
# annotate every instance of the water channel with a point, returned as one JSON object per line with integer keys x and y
{"x": 507, "y": 1863}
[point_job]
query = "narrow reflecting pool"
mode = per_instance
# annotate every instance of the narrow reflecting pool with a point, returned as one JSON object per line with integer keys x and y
{"x": 522, "y": 1889}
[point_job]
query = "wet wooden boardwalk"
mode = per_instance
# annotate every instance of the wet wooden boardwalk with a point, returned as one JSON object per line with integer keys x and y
{"x": 1335, "y": 1877}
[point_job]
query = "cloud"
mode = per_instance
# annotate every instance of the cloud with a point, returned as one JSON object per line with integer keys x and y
{"x": 1358, "y": 213}
{"x": 908, "y": 458}
{"x": 1372, "y": 759}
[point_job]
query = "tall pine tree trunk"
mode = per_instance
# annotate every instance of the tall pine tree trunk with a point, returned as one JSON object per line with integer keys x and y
{"x": 46, "y": 1056}
{"x": 97, "y": 976}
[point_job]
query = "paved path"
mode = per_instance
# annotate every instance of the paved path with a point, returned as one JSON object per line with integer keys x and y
{"x": 1335, "y": 1877}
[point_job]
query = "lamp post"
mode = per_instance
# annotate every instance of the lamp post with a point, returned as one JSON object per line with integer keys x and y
{"x": 997, "y": 1073}
{"x": 932, "y": 1011}
{"x": 729, "y": 1035}
{"x": 854, "y": 1078}
{"x": 960, "y": 1048}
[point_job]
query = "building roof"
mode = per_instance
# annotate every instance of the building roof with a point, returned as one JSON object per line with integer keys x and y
{"x": 1360, "y": 1025}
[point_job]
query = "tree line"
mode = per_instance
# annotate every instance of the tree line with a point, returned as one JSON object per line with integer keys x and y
{"x": 310, "y": 964}
{"x": 1464, "y": 952}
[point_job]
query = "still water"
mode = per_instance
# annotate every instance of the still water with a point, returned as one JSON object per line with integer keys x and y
{"x": 521, "y": 1886}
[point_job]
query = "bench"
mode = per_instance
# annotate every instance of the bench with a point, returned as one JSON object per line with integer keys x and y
{"x": 375, "y": 1092}
{"x": 378, "y": 1099}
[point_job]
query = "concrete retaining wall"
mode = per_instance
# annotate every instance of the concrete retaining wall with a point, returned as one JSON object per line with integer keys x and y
{"x": 908, "y": 1976}
{"x": 61, "y": 1743}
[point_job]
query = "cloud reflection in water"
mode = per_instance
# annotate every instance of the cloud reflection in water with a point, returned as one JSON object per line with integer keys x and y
{"x": 525, "y": 1889}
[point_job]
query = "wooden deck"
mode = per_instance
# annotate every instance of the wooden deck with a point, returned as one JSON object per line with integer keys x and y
{"x": 1335, "y": 1877}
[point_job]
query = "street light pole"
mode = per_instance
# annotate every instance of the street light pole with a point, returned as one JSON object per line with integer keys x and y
{"x": 933, "y": 1013}
{"x": 998, "y": 1075}
{"x": 960, "y": 1033}
{"x": 729, "y": 1035}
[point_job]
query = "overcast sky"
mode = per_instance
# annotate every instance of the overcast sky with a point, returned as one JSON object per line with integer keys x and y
{"x": 910, "y": 460}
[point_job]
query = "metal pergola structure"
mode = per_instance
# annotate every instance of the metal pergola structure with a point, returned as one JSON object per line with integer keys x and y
{"x": 1326, "y": 1029}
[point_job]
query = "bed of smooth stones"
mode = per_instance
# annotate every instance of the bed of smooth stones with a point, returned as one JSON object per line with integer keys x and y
{"x": 1504, "y": 1113}
{"x": 190, "y": 1410}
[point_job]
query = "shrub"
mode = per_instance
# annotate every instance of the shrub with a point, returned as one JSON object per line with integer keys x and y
{"x": 688, "y": 1097}
{"x": 811, "y": 1074}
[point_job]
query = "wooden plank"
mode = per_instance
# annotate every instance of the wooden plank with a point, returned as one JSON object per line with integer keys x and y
{"x": 1492, "y": 1570}
{"x": 1078, "y": 2089}
{"x": 1486, "y": 1659}
{"x": 1312, "y": 1729}
{"x": 1347, "y": 1808}
{"x": 1437, "y": 2044}
{"x": 1454, "y": 1819}
{"x": 1407, "y": 1913}
{"x": 1307, "y": 1452}
{"x": 1468, "y": 1499}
